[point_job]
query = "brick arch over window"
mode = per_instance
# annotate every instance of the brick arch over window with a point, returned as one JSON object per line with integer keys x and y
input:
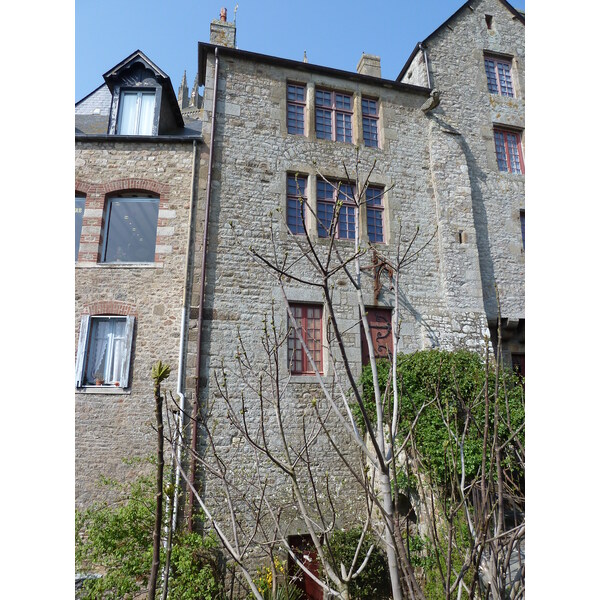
{"x": 110, "y": 307}
{"x": 83, "y": 188}
{"x": 137, "y": 184}
{"x": 97, "y": 197}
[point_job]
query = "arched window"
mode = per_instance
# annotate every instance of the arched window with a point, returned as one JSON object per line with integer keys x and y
{"x": 130, "y": 228}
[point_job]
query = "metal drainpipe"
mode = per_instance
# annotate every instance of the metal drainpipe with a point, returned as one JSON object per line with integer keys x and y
{"x": 182, "y": 333}
{"x": 181, "y": 373}
{"x": 202, "y": 280}
{"x": 426, "y": 64}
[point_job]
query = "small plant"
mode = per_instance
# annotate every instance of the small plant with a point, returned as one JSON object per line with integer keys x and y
{"x": 116, "y": 540}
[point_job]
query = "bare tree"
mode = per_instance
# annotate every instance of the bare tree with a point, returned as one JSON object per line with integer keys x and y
{"x": 269, "y": 447}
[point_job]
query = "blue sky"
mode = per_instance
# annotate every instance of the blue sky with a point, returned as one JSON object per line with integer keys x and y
{"x": 333, "y": 33}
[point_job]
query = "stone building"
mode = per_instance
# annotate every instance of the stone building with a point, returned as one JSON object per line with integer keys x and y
{"x": 446, "y": 139}
{"x": 138, "y": 170}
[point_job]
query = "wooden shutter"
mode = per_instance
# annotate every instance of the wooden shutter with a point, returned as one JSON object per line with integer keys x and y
{"x": 380, "y": 324}
{"x": 82, "y": 350}
{"x": 129, "y": 325}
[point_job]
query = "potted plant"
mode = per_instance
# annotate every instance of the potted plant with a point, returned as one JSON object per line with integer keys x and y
{"x": 117, "y": 383}
{"x": 99, "y": 378}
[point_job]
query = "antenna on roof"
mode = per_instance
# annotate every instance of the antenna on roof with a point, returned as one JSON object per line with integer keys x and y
{"x": 234, "y": 12}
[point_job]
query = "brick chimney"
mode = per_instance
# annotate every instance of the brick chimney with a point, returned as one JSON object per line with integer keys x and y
{"x": 369, "y": 64}
{"x": 222, "y": 33}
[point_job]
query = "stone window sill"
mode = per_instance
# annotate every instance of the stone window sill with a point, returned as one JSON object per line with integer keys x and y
{"x": 120, "y": 265}
{"x": 103, "y": 389}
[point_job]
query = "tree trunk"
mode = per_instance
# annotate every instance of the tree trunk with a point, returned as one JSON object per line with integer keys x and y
{"x": 159, "y": 495}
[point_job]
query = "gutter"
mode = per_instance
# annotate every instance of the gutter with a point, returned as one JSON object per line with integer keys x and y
{"x": 103, "y": 137}
{"x": 202, "y": 284}
{"x": 424, "y": 51}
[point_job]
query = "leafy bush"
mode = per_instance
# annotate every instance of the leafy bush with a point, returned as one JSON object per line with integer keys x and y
{"x": 374, "y": 580}
{"x": 457, "y": 379}
{"x": 116, "y": 541}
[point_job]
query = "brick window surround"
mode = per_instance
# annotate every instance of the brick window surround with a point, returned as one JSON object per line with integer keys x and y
{"x": 509, "y": 153}
{"x": 333, "y": 115}
{"x": 370, "y": 118}
{"x": 327, "y": 201}
{"x": 309, "y": 318}
{"x": 130, "y": 226}
{"x": 79, "y": 211}
{"x": 296, "y": 108}
{"x": 93, "y": 224}
{"x": 295, "y": 204}
{"x": 499, "y": 76}
{"x": 105, "y": 345}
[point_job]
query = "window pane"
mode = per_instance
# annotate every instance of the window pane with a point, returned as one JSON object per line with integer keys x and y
{"x": 370, "y": 132}
{"x": 505, "y": 79}
{"x": 500, "y": 151}
{"x": 513, "y": 151}
{"x": 323, "y": 124}
{"x": 79, "y": 208}
{"x": 490, "y": 71}
{"x": 295, "y": 190}
{"x": 343, "y": 127}
{"x": 106, "y": 350}
{"x": 131, "y": 230}
{"x": 128, "y": 113}
{"x": 146, "y": 114}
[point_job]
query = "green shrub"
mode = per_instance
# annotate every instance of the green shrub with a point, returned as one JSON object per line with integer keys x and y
{"x": 115, "y": 540}
{"x": 374, "y": 580}
{"x": 458, "y": 380}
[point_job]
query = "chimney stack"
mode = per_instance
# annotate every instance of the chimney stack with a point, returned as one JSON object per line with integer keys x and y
{"x": 369, "y": 64}
{"x": 222, "y": 33}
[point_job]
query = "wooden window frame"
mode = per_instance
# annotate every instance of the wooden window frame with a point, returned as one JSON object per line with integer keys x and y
{"x": 505, "y": 156}
{"x": 299, "y": 104}
{"x": 346, "y": 203}
{"x": 334, "y": 110}
{"x": 296, "y": 202}
{"x": 496, "y": 76}
{"x": 83, "y": 350}
{"x": 371, "y": 118}
{"x": 301, "y": 314}
{"x": 377, "y": 212}
{"x": 379, "y": 319}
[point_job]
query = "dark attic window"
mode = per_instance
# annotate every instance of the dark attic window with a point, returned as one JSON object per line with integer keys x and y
{"x": 488, "y": 21}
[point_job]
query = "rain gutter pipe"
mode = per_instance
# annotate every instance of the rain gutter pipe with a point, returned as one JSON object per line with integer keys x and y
{"x": 182, "y": 333}
{"x": 202, "y": 282}
{"x": 424, "y": 51}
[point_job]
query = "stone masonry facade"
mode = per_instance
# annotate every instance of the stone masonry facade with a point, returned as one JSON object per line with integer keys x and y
{"x": 436, "y": 163}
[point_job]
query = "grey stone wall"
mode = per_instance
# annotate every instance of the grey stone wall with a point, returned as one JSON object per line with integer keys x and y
{"x": 456, "y": 62}
{"x": 441, "y": 296}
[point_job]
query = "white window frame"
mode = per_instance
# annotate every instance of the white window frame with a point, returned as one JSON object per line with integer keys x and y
{"x": 83, "y": 350}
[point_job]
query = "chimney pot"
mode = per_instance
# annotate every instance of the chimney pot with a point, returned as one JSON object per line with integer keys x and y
{"x": 224, "y": 14}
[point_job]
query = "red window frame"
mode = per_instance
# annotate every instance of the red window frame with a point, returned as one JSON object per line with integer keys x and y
{"x": 334, "y": 108}
{"x": 509, "y": 155}
{"x": 310, "y": 319}
{"x": 370, "y": 116}
{"x": 375, "y": 213}
{"x": 498, "y": 72}
{"x": 382, "y": 335}
{"x": 327, "y": 198}
{"x": 292, "y": 90}
{"x": 295, "y": 203}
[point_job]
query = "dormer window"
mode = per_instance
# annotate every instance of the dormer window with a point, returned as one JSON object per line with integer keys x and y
{"x": 136, "y": 112}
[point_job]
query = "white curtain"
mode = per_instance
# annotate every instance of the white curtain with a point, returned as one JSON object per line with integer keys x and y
{"x": 146, "y": 114}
